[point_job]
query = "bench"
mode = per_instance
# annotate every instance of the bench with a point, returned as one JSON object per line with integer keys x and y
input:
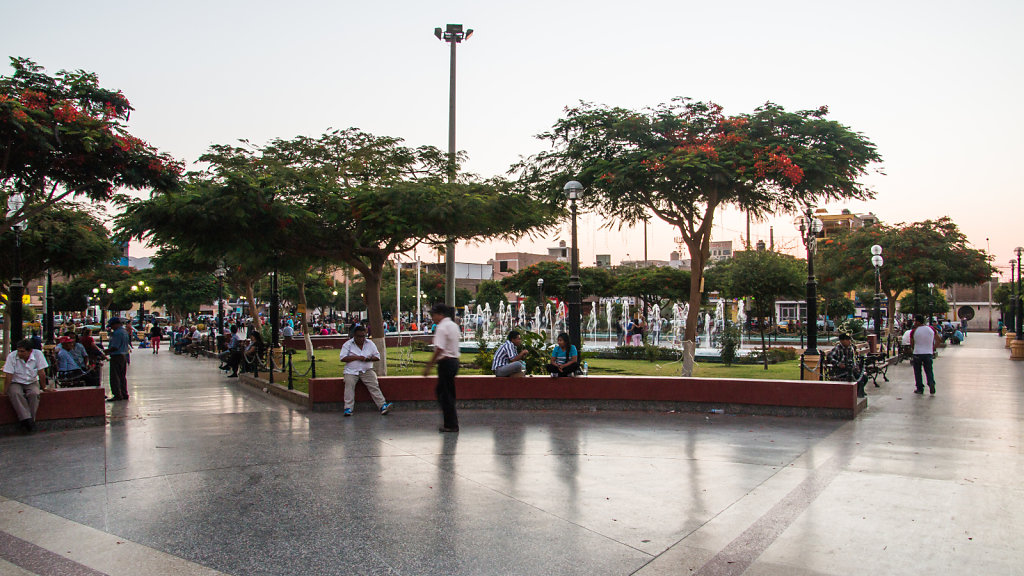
{"x": 748, "y": 396}
{"x": 60, "y": 409}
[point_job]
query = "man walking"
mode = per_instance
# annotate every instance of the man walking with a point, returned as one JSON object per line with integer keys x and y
{"x": 359, "y": 354}
{"x": 508, "y": 360}
{"x": 117, "y": 350}
{"x": 446, "y": 356}
{"x": 923, "y": 343}
{"x": 24, "y": 379}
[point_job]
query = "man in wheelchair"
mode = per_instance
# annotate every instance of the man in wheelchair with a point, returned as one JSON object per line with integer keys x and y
{"x": 844, "y": 365}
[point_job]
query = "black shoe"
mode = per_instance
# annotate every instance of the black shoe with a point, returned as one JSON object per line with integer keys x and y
{"x": 113, "y": 399}
{"x": 919, "y": 391}
{"x": 931, "y": 389}
{"x": 444, "y": 429}
{"x": 232, "y": 375}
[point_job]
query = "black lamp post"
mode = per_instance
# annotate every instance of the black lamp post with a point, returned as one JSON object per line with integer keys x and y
{"x": 141, "y": 292}
{"x": 877, "y": 261}
{"x": 220, "y": 272}
{"x": 48, "y": 318}
{"x": 15, "y": 203}
{"x": 1011, "y": 321}
{"x": 540, "y": 288}
{"x": 275, "y": 324}
{"x": 572, "y": 190}
{"x": 809, "y": 228}
{"x": 453, "y": 34}
{"x": 1019, "y": 321}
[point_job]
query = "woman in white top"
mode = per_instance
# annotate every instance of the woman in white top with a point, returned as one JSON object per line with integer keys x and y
{"x": 446, "y": 356}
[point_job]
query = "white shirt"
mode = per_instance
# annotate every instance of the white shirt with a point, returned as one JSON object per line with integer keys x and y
{"x": 197, "y": 335}
{"x": 349, "y": 348}
{"x": 25, "y": 371}
{"x": 906, "y": 338}
{"x": 446, "y": 338}
{"x": 287, "y": 331}
{"x": 924, "y": 340}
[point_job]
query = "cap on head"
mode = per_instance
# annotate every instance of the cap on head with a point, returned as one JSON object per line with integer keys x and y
{"x": 114, "y": 322}
{"x": 66, "y": 339}
{"x": 845, "y": 337}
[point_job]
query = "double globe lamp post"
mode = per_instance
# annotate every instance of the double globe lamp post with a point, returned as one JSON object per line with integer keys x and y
{"x": 572, "y": 190}
{"x": 15, "y": 203}
{"x": 810, "y": 227}
{"x": 876, "y": 262}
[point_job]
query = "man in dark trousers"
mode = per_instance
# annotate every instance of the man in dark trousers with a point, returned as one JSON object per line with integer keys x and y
{"x": 446, "y": 356}
{"x": 117, "y": 350}
{"x": 923, "y": 343}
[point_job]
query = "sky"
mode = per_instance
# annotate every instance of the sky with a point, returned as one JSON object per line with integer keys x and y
{"x": 935, "y": 85}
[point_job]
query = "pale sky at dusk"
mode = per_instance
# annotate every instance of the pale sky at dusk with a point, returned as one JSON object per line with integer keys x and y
{"x": 936, "y": 85}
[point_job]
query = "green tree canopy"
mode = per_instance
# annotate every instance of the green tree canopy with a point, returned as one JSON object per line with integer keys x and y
{"x": 916, "y": 254}
{"x": 653, "y": 284}
{"x": 682, "y": 160}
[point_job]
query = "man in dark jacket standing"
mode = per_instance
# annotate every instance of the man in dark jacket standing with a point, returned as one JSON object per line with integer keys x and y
{"x": 117, "y": 350}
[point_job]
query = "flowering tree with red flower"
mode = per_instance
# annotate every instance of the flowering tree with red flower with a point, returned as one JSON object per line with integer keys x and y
{"x": 64, "y": 136}
{"x": 683, "y": 160}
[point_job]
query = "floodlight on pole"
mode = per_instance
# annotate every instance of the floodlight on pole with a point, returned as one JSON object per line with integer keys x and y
{"x": 453, "y": 34}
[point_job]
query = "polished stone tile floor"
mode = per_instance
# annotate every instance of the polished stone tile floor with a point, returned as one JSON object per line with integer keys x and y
{"x": 199, "y": 475}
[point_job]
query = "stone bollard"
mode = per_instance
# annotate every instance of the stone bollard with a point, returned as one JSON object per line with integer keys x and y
{"x": 1017, "y": 350}
{"x": 809, "y": 368}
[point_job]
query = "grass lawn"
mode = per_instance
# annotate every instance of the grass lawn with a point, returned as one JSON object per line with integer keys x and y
{"x": 328, "y": 365}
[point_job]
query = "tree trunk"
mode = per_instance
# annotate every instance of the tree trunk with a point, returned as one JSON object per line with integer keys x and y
{"x": 764, "y": 349}
{"x": 698, "y": 255}
{"x": 250, "y": 294}
{"x": 372, "y": 279}
{"x": 304, "y": 322}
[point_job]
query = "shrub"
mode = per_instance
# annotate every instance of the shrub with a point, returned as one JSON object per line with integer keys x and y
{"x": 730, "y": 341}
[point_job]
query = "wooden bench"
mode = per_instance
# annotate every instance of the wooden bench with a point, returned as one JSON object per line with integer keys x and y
{"x": 60, "y": 409}
{"x": 749, "y": 396}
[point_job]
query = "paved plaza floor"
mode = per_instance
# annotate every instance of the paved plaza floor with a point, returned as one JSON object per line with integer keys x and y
{"x": 200, "y": 475}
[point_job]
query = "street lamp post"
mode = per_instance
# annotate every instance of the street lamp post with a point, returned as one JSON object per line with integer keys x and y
{"x": 48, "y": 319}
{"x": 453, "y": 34}
{"x": 15, "y": 202}
{"x": 220, "y": 273}
{"x": 877, "y": 261}
{"x": 572, "y": 190}
{"x": 540, "y": 289}
{"x": 1019, "y": 321}
{"x": 809, "y": 228}
{"x": 141, "y": 291}
{"x": 1011, "y": 325}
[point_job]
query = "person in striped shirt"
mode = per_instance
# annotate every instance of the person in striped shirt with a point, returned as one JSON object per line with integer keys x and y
{"x": 508, "y": 359}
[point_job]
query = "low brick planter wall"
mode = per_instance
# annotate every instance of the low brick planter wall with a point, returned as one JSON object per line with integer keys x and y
{"x": 59, "y": 409}
{"x": 778, "y": 397}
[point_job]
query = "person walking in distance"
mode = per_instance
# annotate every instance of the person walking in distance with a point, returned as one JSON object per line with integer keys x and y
{"x": 117, "y": 350}
{"x": 156, "y": 334}
{"x": 446, "y": 356}
{"x": 923, "y": 343}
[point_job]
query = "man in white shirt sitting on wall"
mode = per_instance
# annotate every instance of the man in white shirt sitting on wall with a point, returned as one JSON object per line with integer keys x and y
{"x": 359, "y": 354}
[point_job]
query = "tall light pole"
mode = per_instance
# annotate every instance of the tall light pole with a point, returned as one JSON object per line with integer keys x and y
{"x": 15, "y": 202}
{"x": 809, "y": 228}
{"x": 1013, "y": 303}
{"x": 1017, "y": 303}
{"x": 220, "y": 273}
{"x": 453, "y": 35}
{"x": 572, "y": 190}
{"x": 877, "y": 261}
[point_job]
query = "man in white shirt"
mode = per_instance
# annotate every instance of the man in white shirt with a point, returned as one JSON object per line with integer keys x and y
{"x": 923, "y": 342}
{"x": 359, "y": 354}
{"x": 446, "y": 356}
{"x": 24, "y": 379}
